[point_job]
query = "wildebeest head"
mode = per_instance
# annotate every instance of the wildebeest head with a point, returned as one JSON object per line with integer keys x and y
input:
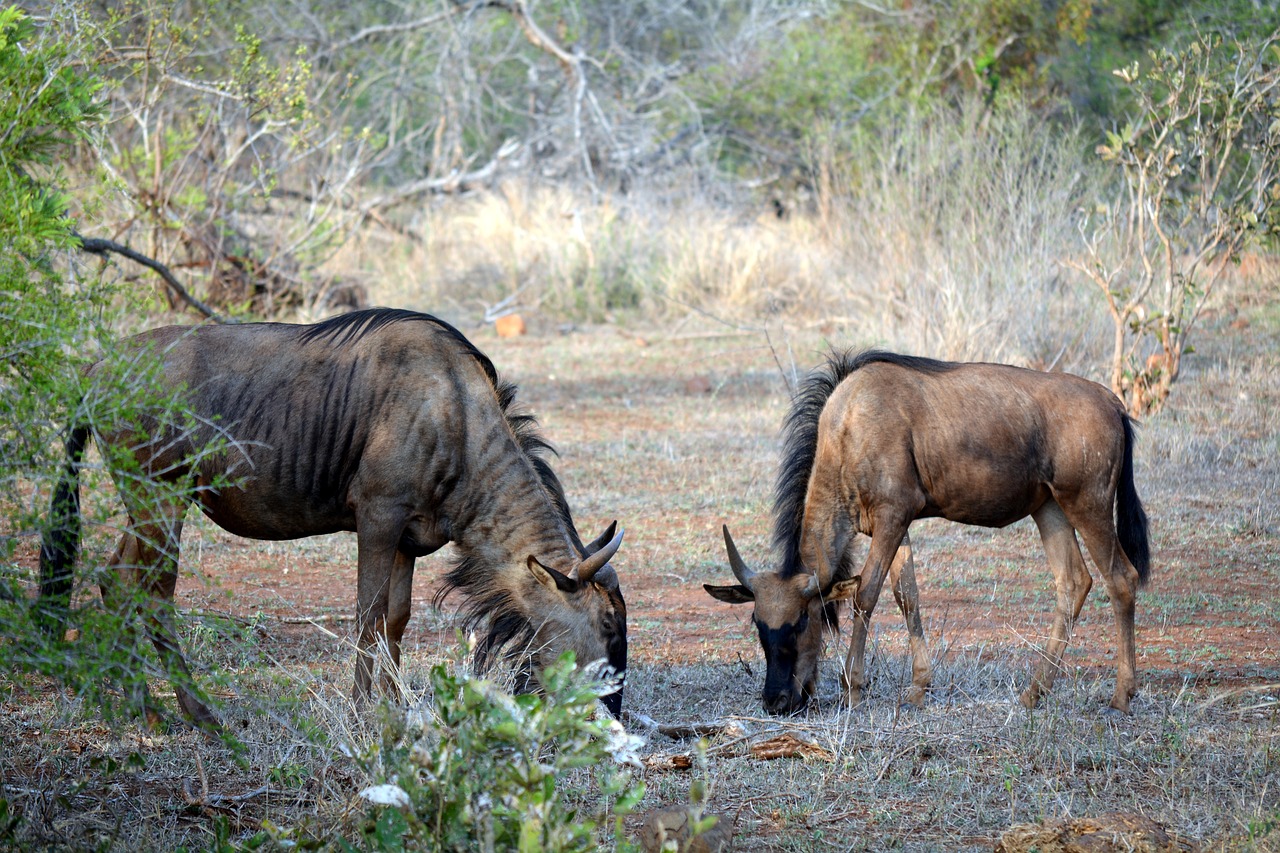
{"x": 583, "y": 612}
{"x": 789, "y": 614}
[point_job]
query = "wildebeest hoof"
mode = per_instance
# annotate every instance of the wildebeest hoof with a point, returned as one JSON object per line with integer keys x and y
{"x": 1120, "y": 704}
{"x": 1110, "y": 712}
{"x": 1029, "y": 698}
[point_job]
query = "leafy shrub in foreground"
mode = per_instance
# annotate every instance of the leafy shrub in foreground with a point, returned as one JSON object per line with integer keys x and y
{"x": 493, "y": 771}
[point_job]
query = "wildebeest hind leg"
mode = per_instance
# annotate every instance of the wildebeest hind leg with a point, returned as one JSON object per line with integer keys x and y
{"x": 115, "y": 596}
{"x": 1072, "y": 582}
{"x": 902, "y": 576}
{"x": 1121, "y": 578}
{"x": 148, "y": 554}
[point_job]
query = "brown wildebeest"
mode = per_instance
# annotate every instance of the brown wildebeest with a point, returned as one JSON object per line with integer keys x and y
{"x": 874, "y": 441}
{"x": 386, "y": 423}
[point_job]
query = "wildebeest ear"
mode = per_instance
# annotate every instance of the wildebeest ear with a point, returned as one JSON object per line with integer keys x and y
{"x": 549, "y": 577}
{"x": 841, "y": 590}
{"x": 601, "y": 540}
{"x": 734, "y": 593}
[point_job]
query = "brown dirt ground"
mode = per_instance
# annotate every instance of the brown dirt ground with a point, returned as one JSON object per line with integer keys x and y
{"x": 680, "y": 624}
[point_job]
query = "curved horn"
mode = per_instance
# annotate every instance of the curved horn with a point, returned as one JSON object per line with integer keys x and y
{"x": 588, "y": 567}
{"x": 740, "y": 569}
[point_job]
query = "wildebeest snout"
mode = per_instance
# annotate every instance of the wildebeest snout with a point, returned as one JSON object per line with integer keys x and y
{"x": 784, "y": 701}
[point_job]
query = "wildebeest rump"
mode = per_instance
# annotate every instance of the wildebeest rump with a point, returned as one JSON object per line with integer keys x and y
{"x": 387, "y": 423}
{"x": 875, "y": 440}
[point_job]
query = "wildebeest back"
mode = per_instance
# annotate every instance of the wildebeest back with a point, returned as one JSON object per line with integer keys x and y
{"x": 316, "y": 419}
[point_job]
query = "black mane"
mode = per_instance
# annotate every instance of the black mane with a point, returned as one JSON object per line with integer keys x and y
{"x": 346, "y": 329}
{"x": 800, "y": 441}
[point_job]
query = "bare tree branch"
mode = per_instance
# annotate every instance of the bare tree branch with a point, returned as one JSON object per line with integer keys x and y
{"x": 570, "y": 61}
{"x": 389, "y": 29}
{"x": 99, "y": 246}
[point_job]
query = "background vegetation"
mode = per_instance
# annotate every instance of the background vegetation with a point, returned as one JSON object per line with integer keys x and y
{"x": 958, "y": 178}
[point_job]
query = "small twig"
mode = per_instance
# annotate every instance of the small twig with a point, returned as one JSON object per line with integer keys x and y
{"x": 324, "y": 617}
{"x": 221, "y": 801}
{"x": 696, "y": 336}
{"x": 680, "y": 731}
{"x": 892, "y": 759}
{"x": 789, "y": 379}
{"x": 507, "y": 305}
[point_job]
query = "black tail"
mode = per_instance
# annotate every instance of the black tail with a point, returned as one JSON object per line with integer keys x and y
{"x": 1131, "y": 519}
{"x": 61, "y": 542}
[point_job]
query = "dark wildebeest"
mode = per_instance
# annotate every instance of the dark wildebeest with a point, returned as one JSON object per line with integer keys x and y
{"x": 386, "y": 423}
{"x": 874, "y": 441}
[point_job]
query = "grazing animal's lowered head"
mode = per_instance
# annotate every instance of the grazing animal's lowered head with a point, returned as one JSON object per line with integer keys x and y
{"x": 790, "y": 612}
{"x": 583, "y": 612}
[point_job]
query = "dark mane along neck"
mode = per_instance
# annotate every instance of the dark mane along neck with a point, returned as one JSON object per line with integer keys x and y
{"x": 346, "y": 329}
{"x": 491, "y": 590}
{"x": 800, "y": 440}
{"x": 526, "y": 516}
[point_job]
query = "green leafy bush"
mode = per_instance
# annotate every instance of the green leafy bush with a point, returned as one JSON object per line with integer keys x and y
{"x": 50, "y": 105}
{"x": 1198, "y": 167}
{"x": 489, "y": 771}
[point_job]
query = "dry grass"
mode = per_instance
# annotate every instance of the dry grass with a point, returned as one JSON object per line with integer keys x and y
{"x": 948, "y": 238}
{"x": 558, "y": 256}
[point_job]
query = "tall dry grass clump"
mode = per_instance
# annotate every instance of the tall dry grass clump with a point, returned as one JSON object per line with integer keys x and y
{"x": 955, "y": 224}
{"x": 943, "y": 235}
{"x": 559, "y": 253}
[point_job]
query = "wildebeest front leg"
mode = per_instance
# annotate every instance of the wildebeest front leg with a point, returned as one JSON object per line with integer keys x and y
{"x": 378, "y": 559}
{"x": 399, "y": 606}
{"x": 1071, "y": 579}
{"x": 902, "y": 577}
{"x": 888, "y": 544}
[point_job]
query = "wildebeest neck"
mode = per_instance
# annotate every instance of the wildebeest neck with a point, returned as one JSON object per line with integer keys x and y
{"x": 502, "y": 515}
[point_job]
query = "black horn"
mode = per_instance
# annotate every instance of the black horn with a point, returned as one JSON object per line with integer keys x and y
{"x": 601, "y": 540}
